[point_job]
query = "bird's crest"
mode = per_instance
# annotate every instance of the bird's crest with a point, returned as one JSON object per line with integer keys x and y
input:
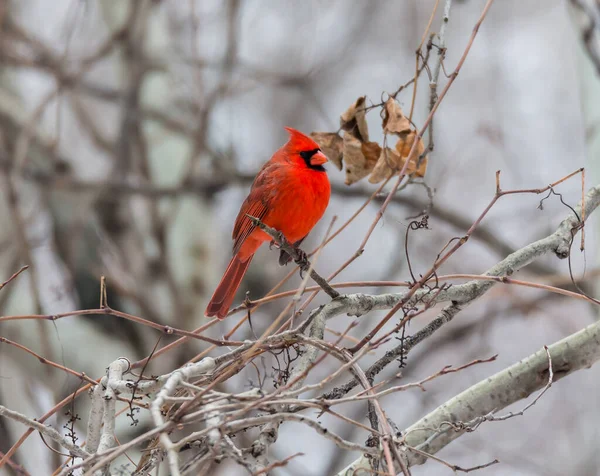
{"x": 300, "y": 141}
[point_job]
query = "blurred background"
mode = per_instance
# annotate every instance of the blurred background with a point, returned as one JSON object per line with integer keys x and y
{"x": 130, "y": 132}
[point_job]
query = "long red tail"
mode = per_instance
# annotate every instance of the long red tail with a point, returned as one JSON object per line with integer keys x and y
{"x": 230, "y": 282}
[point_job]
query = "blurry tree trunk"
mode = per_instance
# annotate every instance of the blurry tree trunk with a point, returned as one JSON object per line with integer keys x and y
{"x": 174, "y": 235}
{"x": 166, "y": 277}
{"x": 27, "y": 238}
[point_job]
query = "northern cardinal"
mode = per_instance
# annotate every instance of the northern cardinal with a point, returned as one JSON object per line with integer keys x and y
{"x": 290, "y": 193}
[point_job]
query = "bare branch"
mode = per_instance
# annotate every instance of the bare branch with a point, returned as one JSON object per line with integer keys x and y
{"x": 300, "y": 259}
{"x": 44, "y": 430}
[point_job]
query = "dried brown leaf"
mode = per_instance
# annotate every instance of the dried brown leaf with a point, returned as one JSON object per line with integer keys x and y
{"x": 394, "y": 120}
{"x": 405, "y": 143}
{"x": 359, "y": 157}
{"x": 354, "y": 120}
{"x": 388, "y": 163}
{"x": 403, "y": 146}
{"x": 392, "y": 161}
{"x": 331, "y": 144}
{"x": 371, "y": 151}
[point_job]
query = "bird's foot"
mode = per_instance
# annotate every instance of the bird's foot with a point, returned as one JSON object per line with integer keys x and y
{"x": 302, "y": 261}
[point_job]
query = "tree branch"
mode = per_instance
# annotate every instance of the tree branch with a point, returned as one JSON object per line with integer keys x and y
{"x": 298, "y": 256}
{"x": 558, "y": 243}
{"x": 466, "y": 411}
{"x": 44, "y": 430}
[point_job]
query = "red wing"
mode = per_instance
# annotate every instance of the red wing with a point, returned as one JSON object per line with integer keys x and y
{"x": 243, "y": 226}
{"x": 256, "y": 204}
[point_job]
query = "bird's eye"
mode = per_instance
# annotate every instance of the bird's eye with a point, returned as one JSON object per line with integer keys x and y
{"x": 307, "y": 154}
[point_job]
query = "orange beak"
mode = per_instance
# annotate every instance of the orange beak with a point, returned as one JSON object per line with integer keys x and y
{"x": 318, "y": 159}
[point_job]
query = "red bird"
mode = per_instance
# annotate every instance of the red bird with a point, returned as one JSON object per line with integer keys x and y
{"x": 290, "y": 194}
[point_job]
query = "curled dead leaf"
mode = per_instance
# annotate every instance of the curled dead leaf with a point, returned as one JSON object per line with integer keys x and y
{"x": 392, "y": 161}
{"x": 353, "y": 120}
{"x": 394, "y": 120}
{"x": 403, "y": 146}
{"x": 388, "y": 162}
{"x": 371, "y": 151}
{"x": 405, "y": 143}
{"x": 331, "y": 144}
{"x": 359, "y": 157}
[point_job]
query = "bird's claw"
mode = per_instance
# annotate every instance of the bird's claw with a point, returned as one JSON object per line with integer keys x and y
{"x": 302, "y": 261}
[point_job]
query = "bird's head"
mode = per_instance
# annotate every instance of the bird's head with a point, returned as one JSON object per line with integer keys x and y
{"x": 303, "y": 147}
